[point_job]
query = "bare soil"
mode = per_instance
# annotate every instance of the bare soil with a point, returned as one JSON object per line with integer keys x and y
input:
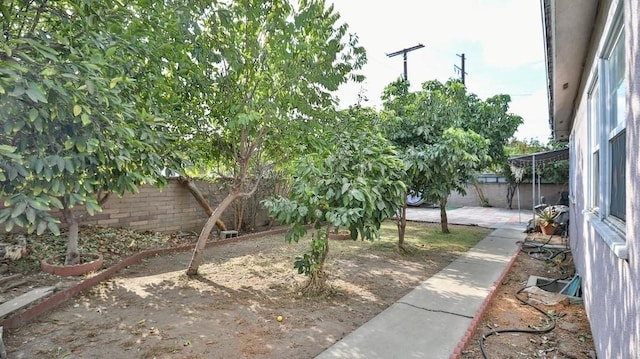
{"x": 231, "y": 310}
{"x": 571, "y": 337}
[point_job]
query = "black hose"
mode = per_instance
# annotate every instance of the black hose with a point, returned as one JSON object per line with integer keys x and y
{"x": 550, "y": 256}
{"x": 547, "y": 329}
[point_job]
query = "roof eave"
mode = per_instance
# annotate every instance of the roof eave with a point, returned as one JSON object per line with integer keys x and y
{"x": 567, "y": 27}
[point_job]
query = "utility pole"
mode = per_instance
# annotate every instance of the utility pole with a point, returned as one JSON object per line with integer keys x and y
{"x": 404, "y": 55}
{"x": 461, "y": 68}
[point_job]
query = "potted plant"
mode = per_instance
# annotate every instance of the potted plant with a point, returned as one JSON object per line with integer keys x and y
{"x": 546, "y": 219}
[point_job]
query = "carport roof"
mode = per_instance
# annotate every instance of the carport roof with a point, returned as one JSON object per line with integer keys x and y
{"x": 539, "y": 158}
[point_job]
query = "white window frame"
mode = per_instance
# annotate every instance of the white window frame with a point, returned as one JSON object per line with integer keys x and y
{"x": 610, "y": 127}
{"x": 593, "y": 144}
{"x": 572, "y": 168}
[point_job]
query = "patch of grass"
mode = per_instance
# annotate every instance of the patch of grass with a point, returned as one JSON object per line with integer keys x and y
{"x": 430, "y": 236}
{"x": 421, "y": 240}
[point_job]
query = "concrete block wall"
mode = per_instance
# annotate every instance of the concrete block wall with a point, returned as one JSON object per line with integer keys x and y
{"x": 496, "y": 194}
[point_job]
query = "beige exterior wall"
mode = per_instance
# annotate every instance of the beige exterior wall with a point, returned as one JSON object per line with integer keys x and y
{"x": 496, "y": 194}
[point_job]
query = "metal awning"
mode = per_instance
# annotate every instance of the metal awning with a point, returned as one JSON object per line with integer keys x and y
{"x": 539, "y": 158}
{"x": 533, "y": 160}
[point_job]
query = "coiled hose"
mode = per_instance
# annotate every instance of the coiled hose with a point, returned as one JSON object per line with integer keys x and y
{"x": 549, "y": 255}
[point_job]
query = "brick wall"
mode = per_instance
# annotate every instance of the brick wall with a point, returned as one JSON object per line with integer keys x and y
{"x": 170, "y": 209}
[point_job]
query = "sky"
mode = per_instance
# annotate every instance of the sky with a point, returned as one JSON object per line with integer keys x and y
{"x": 502, "y": 41}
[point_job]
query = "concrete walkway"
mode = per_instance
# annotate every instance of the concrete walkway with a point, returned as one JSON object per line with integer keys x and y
{"x": 434, "y": 318}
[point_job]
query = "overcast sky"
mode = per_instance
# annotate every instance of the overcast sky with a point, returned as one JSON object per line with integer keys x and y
{"x": 501, "y": 39}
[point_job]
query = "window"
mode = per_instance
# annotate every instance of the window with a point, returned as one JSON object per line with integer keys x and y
{"x": 606, "y": 154}
{"x": 606, "y": 131}
{"x": 615, "y": 134}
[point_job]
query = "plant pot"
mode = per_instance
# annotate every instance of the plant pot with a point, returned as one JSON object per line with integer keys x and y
{"x": 549, "y": 229}
{"x": 90, "y": 262}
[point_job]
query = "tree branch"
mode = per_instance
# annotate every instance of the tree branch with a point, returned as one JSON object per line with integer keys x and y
{"x": 36, "y": 19}
{"x": 102, "y": 200}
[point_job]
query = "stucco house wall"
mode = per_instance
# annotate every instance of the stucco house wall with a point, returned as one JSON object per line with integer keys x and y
{"x": 610, "y": 275}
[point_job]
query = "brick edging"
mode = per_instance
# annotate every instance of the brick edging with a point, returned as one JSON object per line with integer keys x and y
{"x": 19, "y": 319}
{"x": 483, "y": 307}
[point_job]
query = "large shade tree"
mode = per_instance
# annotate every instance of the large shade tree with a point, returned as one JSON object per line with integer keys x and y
{"x": 278, "y": 64}
{"x": 76, "y": 125}
{"x": 492, "y": 120}
{"x": 428, "y": 127}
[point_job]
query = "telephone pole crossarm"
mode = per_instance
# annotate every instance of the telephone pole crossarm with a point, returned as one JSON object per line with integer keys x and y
{"x": 404, "y": 52}
{"x": 461, "y": 68}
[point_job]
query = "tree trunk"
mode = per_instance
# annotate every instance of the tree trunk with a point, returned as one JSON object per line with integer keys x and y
{"x": 317, "y": 281}
{"x": 511, "y": 190}
{"x": 484, "y": 202}
{"x": 444, "y": 224}
{"x": 72, "y": 256}
{"x": 513, "y": 187}
{"x": 198, "y": 252}
{"x": 188, "y": 183}
{"x": 240, "y": 215}
{"x": 402, "y": 226}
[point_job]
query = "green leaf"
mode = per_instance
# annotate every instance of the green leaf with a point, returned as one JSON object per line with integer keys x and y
{"x": 77, "y": 109}
{"x": 85, "y": 119}
{"x": 55, "y": 202}
{"x": 357, "y": 195}
{"x": 33, "y": 114}
{"x": 60, "y": 163}
{"x": 39, "y": 165}
{"x": 31, "y": 215}
{"x": 6, "y": 149}
{"x": 5, "y": 214}
{"x": 18, "y": 209}
{"x": 110, "y": 51}
{"x": 35, "y": 93}
{"x": 92, "y": 207}
{"x": 53, "y": 227}
{"x": 42, "y": 226}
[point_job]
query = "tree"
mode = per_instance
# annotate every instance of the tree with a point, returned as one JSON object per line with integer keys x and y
{"x": 277, "y": 65}
{"x": 355, "y": 184}
{"x": 492, "y": 121}
{"x": 73, "y": 111}
{"x": 428, "y": 128}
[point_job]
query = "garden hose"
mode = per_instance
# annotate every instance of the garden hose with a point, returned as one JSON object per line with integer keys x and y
{"x": 547, "y": 329}
{"x": 550, "y": 256}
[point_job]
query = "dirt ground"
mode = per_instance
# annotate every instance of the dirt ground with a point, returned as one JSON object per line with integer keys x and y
{"x": 571, "y": 337}
{"x": 152, "y": 310}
